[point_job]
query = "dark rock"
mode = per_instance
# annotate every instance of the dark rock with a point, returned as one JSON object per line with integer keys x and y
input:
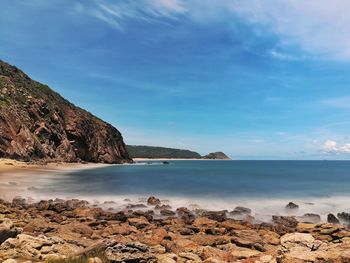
{"x": 240, "y": 212}
{"x": 7, "y": 230}
{"x": 185, "y": 215}
{"x": 163, "y": 207}
{"x": 291, "y": 205}
{"x": 167, "y": 212}
{"x": 153, "y": 201}
{"x": 219, "y": 216}
{"x": 19, "y": 202}
{"x": 133, "y": 206}
{"x": 310, "y": 218}
{"x": 344, "y": 217}
{"x": 284, "y": 224}
{"x": 332, "y": 219}
{"x": 147, "y": 214}
{"x": 120, "y": 216}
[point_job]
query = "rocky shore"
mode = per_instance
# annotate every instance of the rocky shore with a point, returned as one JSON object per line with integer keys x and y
{"x": 75, "y": 231}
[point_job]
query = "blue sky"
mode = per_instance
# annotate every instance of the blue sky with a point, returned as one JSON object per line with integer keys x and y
{"x": 256, "y": 79}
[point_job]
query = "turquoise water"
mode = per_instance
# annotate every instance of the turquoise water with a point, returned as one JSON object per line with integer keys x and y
{"x": 266, "y": 186}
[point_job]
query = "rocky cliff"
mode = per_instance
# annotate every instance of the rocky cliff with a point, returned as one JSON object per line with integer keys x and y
{"x": 37, "y": 123}
{"x": 217, "y": 156}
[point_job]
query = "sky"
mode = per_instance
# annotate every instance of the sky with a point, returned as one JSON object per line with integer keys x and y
{"x": 257, "y": 79}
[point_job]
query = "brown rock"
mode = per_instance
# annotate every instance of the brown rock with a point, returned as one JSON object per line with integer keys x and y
{"x": 153, "y": 201}
{"x": 203, "y": 222}
{"x": 140, "y": 222}
{"x": 128, "y": 253}
{"x": 37, "y": 123}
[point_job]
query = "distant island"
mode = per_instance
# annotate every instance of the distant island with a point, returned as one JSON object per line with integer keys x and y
{"x": 156, "y": 152}
{"x": 217, "y": 156}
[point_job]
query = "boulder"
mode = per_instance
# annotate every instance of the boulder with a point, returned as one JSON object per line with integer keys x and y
{"x": 240, "y": 212}
{"x": 153, "y": 201}
{"x": 218, "y": 216}
{"x": 130, "y": 253}
{"x": 185, "y": 215}
{"x": 310, "y": 218}
{"x": 7, "y": 230}
{"x": 344, "y": 217}
{"x": 332, "y": 219}
{"x": 19, "y": 202}
{"x": 37, "y": 248}
{"x": 283, "y": 224}
{"x": 138, "y": 222}
{"x": 292, "y": 205}
{"x": 167, "y": 212}
{"x": 203, "y": 222}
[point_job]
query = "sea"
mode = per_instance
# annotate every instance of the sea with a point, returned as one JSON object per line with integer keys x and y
{"x": 266, "y": 187}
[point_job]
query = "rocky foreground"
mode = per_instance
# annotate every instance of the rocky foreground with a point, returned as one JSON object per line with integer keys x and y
{"x": 57, "y": 230}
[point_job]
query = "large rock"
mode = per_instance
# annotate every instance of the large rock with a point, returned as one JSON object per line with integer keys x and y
{"x": 37, "y": 123}
{"x": 39, "y": 248}
{"x": 153, "y": 201}
{"x": 132, "y": 252}
{"x": 332, "y": 219}
{"x": 7, "y": 230}
{"x": 301, "y": 247}
{"x": 292, "y": 206}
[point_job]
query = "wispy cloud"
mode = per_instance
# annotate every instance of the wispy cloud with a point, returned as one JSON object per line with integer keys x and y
{"x": 316, "y": 27}
{"x": 115, "y": 12}
{"x": 341, "y": 102}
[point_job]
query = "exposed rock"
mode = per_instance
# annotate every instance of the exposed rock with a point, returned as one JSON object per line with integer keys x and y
{"x": 345, "y": 217}
{"x": 153, "y": 201}
{"x": 94, "y": 260}
{"x": 185, "y": 215}
{"x": 37, "y": 123}
{"x": 291, "y": 205}
{"x": 310, "y": 218}
{"x": 284, "y": 223}
{"x": 219, "y": 216}
{"x": 130, "y": 253}
{"x": 167, "y": 212}
{"x": 217, "y": 156}
{"x": 240, "y": 210}
{"x": 332, "y": 219}
{"x": 36, "y": 248}
{"x": 7, "y": 230}
{"x": 140, "y": 222}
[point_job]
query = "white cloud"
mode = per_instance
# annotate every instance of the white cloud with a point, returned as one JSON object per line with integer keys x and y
{"x": 114, "y": 13}
{"x": 320, "y": 28}
{"x": 331, "y": 146}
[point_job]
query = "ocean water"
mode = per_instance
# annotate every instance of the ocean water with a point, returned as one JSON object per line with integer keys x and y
{"x": 265, "y": 186}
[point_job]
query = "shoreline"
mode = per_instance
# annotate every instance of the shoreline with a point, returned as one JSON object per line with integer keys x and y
{"x": 177, "y": 159}
{"x": 23, "y": 179}
{"x": 155, "y": 229}
{"x": 155, "y": 232}
{"x": 14, "y": 166}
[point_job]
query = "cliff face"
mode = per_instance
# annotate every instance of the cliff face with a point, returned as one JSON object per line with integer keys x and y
{"x": 217, "y": 156}
{"x": 37, "y": 123}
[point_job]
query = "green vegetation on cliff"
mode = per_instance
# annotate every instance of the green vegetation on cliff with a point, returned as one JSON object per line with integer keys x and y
{"x": 160, "y": 152}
